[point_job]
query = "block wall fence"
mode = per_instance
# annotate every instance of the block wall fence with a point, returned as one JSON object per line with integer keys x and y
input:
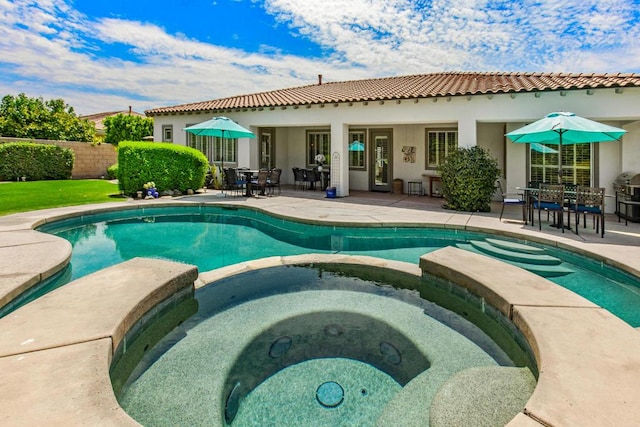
{"x": 91, "y": 161}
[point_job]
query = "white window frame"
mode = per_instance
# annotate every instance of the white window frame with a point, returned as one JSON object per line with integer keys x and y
{"x": 446, "y": 140}
{"x": 358, "y": 159}
{"x": 211, "y": 147}
{"x": 318, "y": 142}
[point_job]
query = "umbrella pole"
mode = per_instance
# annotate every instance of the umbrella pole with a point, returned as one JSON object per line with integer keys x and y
{"x": 222, "y": 165}
{"x": 560, "y": 160}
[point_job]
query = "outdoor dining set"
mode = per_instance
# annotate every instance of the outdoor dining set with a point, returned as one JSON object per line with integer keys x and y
{"x": 309, "y": 179}
{"x": 558, "y": 199}
{"x": 252, "y": 182}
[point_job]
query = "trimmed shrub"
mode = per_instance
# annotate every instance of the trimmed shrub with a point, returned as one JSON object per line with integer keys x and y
{"x": 171, "y": 167}
{"x": 35, "y": 161}
{"x": 468, "y": 179}
{"x": 112, "y": 171}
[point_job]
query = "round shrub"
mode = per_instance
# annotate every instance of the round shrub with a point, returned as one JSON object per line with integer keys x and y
{"x": 171, "y": 167}
{"x": 35, "y": 162}
{"x": 468, "y": 179}
{"x": 112, "y": 171}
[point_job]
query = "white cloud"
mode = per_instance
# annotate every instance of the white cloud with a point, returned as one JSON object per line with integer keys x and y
{"x": 48, "y": 49}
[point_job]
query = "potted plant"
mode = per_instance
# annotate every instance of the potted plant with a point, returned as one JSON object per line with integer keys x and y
{"x": 320, "y": 159}
{"x": 150, "y": 190}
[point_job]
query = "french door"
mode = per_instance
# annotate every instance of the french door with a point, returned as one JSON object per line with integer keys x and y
{"x": 381, "y": 159}
{"x": 267, "y": 148}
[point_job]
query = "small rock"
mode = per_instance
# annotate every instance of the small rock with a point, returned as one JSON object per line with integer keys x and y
{"x": 190, "y": 192}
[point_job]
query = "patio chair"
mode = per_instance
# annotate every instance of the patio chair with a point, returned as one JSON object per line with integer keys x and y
{"x": 260, "y": 183}
{"x": 513, "y": 199}
{"x": 299, "y": 178}
{"x": 312, "y": 176}
{"x": 589, "y": 201}
{"x": 273, "y": 181}
{"x": 550, "y": 198}
{"x": 233, "y": 182}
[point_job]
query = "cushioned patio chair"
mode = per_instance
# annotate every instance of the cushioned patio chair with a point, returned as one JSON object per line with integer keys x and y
{"x": 589, "y": 201}
{"x": 513, "y": 199}
{"x": 550, "y": 198}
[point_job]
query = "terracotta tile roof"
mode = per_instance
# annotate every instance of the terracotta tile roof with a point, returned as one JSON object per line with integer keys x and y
{"x": 410, "y": 87}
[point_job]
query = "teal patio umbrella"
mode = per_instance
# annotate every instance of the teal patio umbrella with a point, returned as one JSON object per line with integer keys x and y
{"x": 222, "y": 127}
{"x": 541, "y": 148}
{"x": 563, "y": 128}
{"x": 356, "y": 146}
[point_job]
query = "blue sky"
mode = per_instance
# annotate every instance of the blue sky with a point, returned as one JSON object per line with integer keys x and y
{"x": 101, "y": 55}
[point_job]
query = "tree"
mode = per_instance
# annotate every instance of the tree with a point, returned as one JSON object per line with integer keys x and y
{"x": 126, "y": 127}
{"x": 24, "y": 117}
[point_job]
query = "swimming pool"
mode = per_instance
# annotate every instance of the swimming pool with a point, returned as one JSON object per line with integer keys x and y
{"x": 216, "y": 236}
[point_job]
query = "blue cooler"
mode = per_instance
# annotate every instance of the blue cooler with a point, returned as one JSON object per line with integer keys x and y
{"x": 331, "y": 192}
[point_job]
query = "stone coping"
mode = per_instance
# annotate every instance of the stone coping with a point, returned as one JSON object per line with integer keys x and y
{"x": 16, "y": 277}
{"x": 563, "y": 337}
{"x": 588, "y": 359}
{"x": 55, "y": 356}
{"x": 55, "y": 353}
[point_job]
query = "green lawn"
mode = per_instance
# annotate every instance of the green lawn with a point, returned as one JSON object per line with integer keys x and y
{"x": 29, "y": 196}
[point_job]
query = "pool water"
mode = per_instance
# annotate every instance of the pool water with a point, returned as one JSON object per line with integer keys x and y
{"x": 214, "y": 237}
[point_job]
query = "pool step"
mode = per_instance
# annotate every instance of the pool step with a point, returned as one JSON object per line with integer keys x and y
{"x": 513, "y": 255}
{"x": 516, "y": 247}
{"x": 544, "y": 270}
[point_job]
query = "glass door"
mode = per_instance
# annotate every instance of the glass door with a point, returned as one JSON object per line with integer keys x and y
{"x": 267, "y": 148}
{"x": 382, "y": 159}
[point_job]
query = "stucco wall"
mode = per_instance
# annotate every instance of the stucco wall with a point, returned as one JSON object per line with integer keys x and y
{"x": 91, "y": 161}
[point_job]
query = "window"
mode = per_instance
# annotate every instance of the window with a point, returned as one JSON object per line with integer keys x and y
{"x": 357, "y": 149}
{"x": 576, "y": 164}
{"x": 167, "y": 133}
{"x": 212, "y": 147}
{"x": 318, "y": 142}
{"x": 439, "y": 144}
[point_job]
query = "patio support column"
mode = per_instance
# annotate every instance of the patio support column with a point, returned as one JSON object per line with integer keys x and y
{"x": 340, "y": 169}
{"x": 467, "y": 132}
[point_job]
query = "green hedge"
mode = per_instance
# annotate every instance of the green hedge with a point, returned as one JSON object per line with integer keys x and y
{"x": 112, "y": 171}
{"x": 171, "y": 167}
{"x": 35, "y": 162}
{"x": 468, "y": 179}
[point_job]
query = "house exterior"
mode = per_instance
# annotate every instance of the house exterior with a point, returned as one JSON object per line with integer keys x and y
{"x": 403, "y": 127}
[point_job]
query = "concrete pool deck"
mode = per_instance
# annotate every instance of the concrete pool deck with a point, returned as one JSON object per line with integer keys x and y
{"x": 589, "y": 360}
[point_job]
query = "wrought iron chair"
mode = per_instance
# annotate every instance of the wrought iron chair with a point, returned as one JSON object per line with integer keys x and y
{"x": 589, "y": 201}
{"x": 273, "y": 181}
{"x": 550, "y": 198}
{"x": 312, "y": 176}
{"x": 512, "y": 199}
{"x": 299, "y": 178}
{"x": 233, "y": 182}
{"x": 260, "y": 183}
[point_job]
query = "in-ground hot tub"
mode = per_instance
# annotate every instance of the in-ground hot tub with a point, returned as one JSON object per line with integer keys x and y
{"x": 312, "y": 345}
